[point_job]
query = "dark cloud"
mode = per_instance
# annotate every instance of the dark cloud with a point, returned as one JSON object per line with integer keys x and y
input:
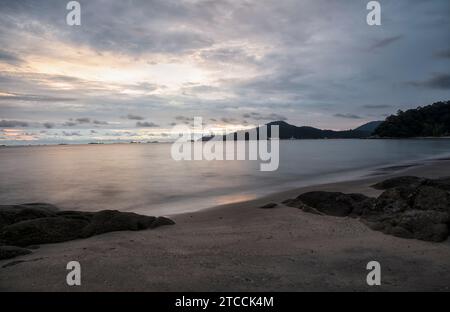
{"x": 184, "y": 119}
{"x": 13, "y": 123}
{"x": 259, "y": 116}
{"x": 99, "y": 122}
{"x": 83, "y": 120}
{"x": 48, "y": 125}
{"x": 348, "y": 116}
{"x": 134, "y": 117}
{"x": 10, "y": 58}
{"x": 69, "y": 124}
{"x": 443, "y": 54}
{"x": 385, "y": 42}
{"x": 376, "y": 106}
{"x": 73, "y": 133}
{"x": 228, "y": 120}
{"x": 438, "y": 81}
{"x": 146, "y": 124}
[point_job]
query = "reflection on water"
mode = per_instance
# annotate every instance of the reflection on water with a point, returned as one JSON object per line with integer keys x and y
{"x": 144, "y": 178}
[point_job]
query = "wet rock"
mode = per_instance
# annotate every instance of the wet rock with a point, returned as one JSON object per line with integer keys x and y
{"x": 7, "y": 252}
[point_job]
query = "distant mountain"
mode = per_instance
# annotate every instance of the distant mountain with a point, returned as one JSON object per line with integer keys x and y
{"x": 288, "y": 131}
{"x": 429, "y": 121}
{"x": 369, "y": 127}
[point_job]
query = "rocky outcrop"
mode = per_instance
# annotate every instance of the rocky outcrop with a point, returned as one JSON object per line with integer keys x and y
{"x": 331, "y": 203}
{"x": 409, "y": 207}
{"x": 7, "y": 252}
{"x": 33, "y": 224}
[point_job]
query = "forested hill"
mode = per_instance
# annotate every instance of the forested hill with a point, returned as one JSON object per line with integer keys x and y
{"x": 429, "y": 121}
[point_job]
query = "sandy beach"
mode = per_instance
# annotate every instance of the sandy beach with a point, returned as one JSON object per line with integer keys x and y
{"x": 241, "y": 247}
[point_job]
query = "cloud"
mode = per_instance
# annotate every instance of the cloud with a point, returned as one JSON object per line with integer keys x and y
{"x": 73, "y": 133}
{"x": 99, "y": 122}
{"x": 348, "y": 116}
{"x": 437, "y": 81}
{"x": 34, "y": 98}
{"x": 12, "y": 123}
{"x": 228, "y": 120}
{"x": 376, "y": 106}
{"x": 443, "y": 54}
{"x": 83, "y": 120}
{"x": 69, "y": 124}
{"x": 304, "y": 60}
{"x": 385, "y": 42}
{"x": 146, "y": 124}
{"x": 48, "y": 125}
{"x": 271, "y": 116}
{"x": 134, "y": 117}
{"x": 10, "y": 58}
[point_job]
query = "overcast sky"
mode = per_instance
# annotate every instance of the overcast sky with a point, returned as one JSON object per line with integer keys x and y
{"x": 135, "y": 68}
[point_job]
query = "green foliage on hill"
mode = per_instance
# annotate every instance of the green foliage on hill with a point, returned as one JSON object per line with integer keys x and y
{"x": 429, "y": 121}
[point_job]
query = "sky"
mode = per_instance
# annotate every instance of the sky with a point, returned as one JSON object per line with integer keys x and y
{"x": 133, "y": 69}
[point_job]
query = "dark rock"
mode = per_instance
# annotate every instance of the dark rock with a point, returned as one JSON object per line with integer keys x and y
{"x": 332, "y": 203}
{"x": 405, "y": 181}
{"x": 10, "y": 214}
{"x": 269, "y": 206}
{"x": 160, "y": 221}
{"x": 441, "y": 183}
{"x": 112, "y": 220}
{"x": 42, "y": 231}
{"x": 26, "y": 225}
{"x": 394, "y": 200}
{"x": 410, "y": 207}
{"x": 418, "y": 224}
{"x": 431, "y": 198}
{"x": 7, "y": 252}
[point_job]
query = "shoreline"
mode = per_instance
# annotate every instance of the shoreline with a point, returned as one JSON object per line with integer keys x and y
{"x": 357, "y": 183}
{"x": 171, "y": 142}
{"x": 240, "y": 247}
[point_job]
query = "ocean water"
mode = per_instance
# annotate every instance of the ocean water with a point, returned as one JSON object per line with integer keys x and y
{"x": 144, "y": 178}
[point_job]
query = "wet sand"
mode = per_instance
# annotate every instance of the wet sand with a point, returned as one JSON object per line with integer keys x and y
{"x": 241, "y": 247}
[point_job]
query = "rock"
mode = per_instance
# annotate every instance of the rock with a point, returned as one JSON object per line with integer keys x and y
{"x": 269, "y": 206}
{"x": 405, "y": 181}
{"x": 42, "y": 231}
{"x": 160, "y": 221}
{"x": 441, "y": 183}
{"x": 431, "y": 198}
{"x": 45, "y": 224}
{"x": 418, "y": 224}
{"x": 332, "y": 203}
{"x": 394, "y": 200}
{"x": 112, "y": 220}
{"x": 410, "y": 207}
{"x": 10, "y": 214}
{"x": 7, "y": 252}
